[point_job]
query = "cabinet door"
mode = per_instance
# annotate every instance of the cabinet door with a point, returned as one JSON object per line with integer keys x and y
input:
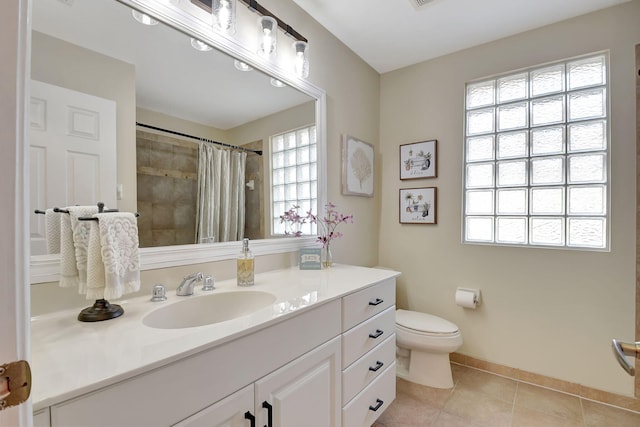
{"x": 305, "y": 392}
{"x": 42, "y": 418}
{"x": 229, "y": 412}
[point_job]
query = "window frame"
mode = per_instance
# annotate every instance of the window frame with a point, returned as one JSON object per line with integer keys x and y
{"x": 491, "y": 137}
{"x": 273, "y": 216}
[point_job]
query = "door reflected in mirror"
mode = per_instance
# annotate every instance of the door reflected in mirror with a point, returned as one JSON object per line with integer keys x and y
{"x": 152, "y": 75}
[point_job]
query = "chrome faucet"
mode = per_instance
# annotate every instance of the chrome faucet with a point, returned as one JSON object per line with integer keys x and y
{"x": 186, "y": 287}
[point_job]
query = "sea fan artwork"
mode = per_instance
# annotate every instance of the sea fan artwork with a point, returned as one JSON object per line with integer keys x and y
{"x": 361, "y": 166}
{"x": 357, "y": 167}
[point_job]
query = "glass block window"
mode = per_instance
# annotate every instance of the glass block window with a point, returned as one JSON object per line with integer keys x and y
{"x": 294, "y": 176}
{"x": 536, "y": 157}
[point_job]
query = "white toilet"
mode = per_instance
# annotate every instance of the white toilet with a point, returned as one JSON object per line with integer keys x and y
{"x": 424, "y": 343}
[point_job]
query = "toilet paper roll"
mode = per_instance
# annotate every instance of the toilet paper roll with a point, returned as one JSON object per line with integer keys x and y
{"x": 467, "y": 298}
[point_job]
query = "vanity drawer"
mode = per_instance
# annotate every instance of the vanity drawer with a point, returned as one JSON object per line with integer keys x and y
{"x": 368, "y": 302}
{"x": 378, "y": 395}
{"x": 364, "y": 337}
{"x": 369, "y": 367}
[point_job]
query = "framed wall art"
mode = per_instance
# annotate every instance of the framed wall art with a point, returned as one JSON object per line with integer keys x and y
{"x": 418, "y": 205}
{"x": 357, "y": 167}
{"x": 418, "y": 160}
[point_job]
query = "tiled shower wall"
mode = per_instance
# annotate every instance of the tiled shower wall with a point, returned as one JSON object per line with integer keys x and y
{"x": 167, "y": 189}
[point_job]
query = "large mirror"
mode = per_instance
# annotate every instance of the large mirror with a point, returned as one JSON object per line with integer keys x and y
{"x": 155, "y": 78}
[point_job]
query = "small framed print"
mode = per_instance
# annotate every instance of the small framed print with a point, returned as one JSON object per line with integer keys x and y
{"x": 310, "y": 259}
{"x": 357, "y": 167}
{"x": 418, "y": 160}
{"x": 418, "y": 205}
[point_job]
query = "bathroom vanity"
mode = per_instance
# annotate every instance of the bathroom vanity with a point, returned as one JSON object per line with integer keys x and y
{"x": 320, "y": 352}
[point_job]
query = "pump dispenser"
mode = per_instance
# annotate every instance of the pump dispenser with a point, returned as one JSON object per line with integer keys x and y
{"x": 245, "y": 265}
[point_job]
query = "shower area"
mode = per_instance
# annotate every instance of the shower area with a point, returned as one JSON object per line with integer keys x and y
{"x": 168, "y": 187}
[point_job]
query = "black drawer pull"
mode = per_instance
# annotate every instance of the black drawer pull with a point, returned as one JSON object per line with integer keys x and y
{"x": 376, "y": 301}
{"x": 379, "y": 365}
{"x": 378, "y": 405}
{"x": 249, "y": 416}
{"x": 376, "y": 334}
{"x": 269, "y": 409}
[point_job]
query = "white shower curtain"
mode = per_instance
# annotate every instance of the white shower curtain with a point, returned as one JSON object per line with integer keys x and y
{"x": 220, "y": 202}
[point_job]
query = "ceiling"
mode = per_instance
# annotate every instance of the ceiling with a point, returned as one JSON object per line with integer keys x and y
{"x": 391, "y": 34}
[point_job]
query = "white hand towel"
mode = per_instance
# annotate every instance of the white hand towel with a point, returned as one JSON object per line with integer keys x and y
{"x": 68, "y": 267}
{"x": 119, "y": 252}
{"x": 95, "y": 266}
{"x": 81, "y": 240}
{"x": 52, "y": 230}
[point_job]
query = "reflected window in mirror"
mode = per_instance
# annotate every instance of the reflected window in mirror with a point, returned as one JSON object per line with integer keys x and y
{"x": 294, "y": 179}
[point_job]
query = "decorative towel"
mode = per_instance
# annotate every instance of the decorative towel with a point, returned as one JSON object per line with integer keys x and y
{"x": 114, "y": 260}
{"x": 95, "y": 266}
{"x": 52, "y": 230}
{"x": 68, "y": 267}
{"x": 81, "y": 240}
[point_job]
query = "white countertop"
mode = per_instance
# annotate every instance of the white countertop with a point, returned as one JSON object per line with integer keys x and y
{"x": 71, "y": 358}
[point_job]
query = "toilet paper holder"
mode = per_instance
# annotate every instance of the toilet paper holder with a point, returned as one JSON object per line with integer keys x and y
{"x": 467, "y": 297}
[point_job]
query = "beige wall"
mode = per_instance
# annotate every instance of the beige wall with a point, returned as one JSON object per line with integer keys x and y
{"x": 552, "y": 312}
{"x": 353, "y": 99}
{"x": 101, "y": 76}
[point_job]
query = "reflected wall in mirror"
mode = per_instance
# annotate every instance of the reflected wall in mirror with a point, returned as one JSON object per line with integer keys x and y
{"x": 154, "y": 76}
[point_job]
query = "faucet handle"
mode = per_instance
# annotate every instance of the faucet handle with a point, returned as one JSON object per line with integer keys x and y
{"x": 159, "y": 293}
{"x": 208, "y": 283}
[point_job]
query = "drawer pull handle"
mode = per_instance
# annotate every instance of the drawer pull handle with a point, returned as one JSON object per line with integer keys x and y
{"x": 269, "y": 409}
{"x": 379, "y": 365}
{"x": 376, "y": 301}
{"x": 249, "y": 416}
{"x": 376, "y": 334}
{"x": 378, "y": 405}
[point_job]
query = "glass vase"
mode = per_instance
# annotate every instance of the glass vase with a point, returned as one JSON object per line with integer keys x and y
{"x": 327, "y": 257}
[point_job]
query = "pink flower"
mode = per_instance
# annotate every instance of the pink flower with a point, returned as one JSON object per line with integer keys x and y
{"x": 326, "y": 224}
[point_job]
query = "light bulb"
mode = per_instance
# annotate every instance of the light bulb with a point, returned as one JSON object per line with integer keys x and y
{"x": 143, "y": 18}
{"x": 224, "y": 15}
{"x": 301, "y": 60}
{"x": 200, "y": 45}
{"x": 242, "y": 66}
{"x": 267, "y": 36}
{"x": 277, "y": 83}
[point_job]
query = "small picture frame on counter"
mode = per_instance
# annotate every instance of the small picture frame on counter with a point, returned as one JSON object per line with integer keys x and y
{"x": 310, "y": 259}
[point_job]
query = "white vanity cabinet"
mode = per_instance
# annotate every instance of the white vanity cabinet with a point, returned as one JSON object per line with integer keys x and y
{"x": 41, "y": 418}
{"x": 368, "y": 353}
{"x": 305, "y": 392}
{"x": 172, "y": 393}
{"x": 329, "y": 364}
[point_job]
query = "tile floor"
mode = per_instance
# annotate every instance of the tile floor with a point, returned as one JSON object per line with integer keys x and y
{"x": 481, "y": 399}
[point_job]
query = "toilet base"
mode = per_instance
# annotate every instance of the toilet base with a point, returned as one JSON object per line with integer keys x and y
{"x": 429, "y": 369}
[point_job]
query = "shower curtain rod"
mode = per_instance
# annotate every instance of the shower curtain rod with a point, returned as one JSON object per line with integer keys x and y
{"x": 235, "y": 147}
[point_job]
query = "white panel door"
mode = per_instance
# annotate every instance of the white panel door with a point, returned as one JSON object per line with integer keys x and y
{"x": 72, "y": 150}
{"x": 306, "y": 392}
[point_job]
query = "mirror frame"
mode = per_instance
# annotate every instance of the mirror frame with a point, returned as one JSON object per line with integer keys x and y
{"x": 45, "y": 268}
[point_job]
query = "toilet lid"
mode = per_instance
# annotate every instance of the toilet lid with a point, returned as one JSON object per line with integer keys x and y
{"x": 424, "y": 322}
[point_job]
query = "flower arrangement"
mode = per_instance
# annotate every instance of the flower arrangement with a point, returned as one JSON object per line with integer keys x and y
{"x": 293, "y": 221}
{"x": 329, "y": 223}
{"x": 326, "y": 225}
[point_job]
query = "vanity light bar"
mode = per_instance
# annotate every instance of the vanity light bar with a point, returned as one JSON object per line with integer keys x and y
{"x": 261, "y": 10}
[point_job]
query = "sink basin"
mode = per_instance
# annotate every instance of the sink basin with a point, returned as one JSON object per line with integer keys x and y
{"x": 208, "y": 309}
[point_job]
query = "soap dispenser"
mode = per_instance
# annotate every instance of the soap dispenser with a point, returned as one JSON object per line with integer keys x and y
{"x": 245, "y": 265}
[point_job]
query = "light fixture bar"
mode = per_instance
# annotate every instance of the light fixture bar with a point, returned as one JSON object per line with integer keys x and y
{"x": 258, "y": 8}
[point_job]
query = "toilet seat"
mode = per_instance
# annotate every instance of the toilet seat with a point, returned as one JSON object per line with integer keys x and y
{"x": 424, "y": 324}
